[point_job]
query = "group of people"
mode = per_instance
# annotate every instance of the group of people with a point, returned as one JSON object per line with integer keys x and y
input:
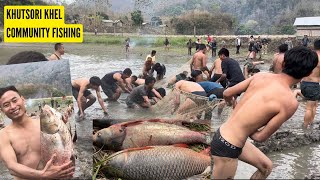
{"x": 230, "y": 142}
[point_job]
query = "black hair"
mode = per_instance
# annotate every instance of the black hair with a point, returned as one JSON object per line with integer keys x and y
{"x": 251, "y": 36}
{"x": 190, "y": 79}
{"x": 224, "y": 51}
{"x": 161, "y": 91}
{"x": 27, "y": 57}
{"x": 299, "y": 62}
{"x": 8, "y": 88}
{"x": 153, "y": 52}
{"x": 283, "y": 48}
{"x": 134, "y": 77}
{"x": 57, "y": 46}
{"x": 316, "y": 44}
{"x": 202, "y": 47}
{"x": 127, "y": 71}
{"x": 149, "y": 80}
{"x": 194, "y": 74}
{"x": 94, "y": 80}
{"x": 183, "y": 76}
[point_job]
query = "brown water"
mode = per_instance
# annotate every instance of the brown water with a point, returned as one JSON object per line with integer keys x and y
{"x": 88, "y": 60}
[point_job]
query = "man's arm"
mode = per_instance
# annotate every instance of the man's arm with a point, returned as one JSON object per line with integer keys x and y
{"x": 80, "y": 95}
{"x": 273, "y": 125}
{"x": 147, "y": 101}
{"x": 9, "y": 158}
{"x": 191, "y": 64}
{"x": 100, "y": 100}
{"x": 129, "y": 84}
{"x": 121, "y": 83}
{"x": 229, "y": 93}
{"x": 156, "y": 93}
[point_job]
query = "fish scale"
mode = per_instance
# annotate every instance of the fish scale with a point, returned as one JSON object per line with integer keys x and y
{"x": 159, "y": 163}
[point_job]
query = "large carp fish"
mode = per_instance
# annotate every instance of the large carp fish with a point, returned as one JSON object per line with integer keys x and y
{"x": 146, "y": 133}
{"x": 157, "y": 163}
{"x": 55, "y": 137}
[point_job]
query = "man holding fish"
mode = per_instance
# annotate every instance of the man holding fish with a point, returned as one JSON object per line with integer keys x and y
{"x": 20, "y": 142}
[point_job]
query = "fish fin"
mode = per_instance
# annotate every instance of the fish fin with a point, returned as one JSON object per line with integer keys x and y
{"x": 180, "y": 145}
{"x": 137, "y": 149}
{"x": 133, "y": 123}
{"x": 206, "y": 151}
{"x": 155, "y": 120}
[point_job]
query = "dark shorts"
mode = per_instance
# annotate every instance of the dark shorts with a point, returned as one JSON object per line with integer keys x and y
{"x": 75, "y": 93}
{"x": 200, "y": 93}
{"x": 195, "y": 73}
{"x": 215, "y": 77}
{"x": 222, "y": 148}
{"x": 109, "y": 89}
{"x": 131, "y": 103}
{"x": 218, "y": 92}
{"x": 310, "y": 90}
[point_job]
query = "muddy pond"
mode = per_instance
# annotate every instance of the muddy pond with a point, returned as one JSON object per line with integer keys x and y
{"x": 88, "y": 60}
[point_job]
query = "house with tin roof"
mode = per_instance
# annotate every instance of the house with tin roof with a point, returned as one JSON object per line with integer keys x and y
{"x": 307, "y": 26}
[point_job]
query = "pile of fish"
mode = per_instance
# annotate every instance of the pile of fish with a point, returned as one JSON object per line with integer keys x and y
{"x": 152, "y": 149}
{"x": 55, "y": 137}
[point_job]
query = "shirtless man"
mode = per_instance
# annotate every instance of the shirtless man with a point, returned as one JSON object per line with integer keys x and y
{"x": 189, "y": 87}
{"x": 199, "y": 62}
{"x": 134, "y": 81}
{"x": 152, "y": 56}
{"x": 310, "y": 89}
{"x": 59, "y": 51}
{"x": 82, "y": 94}
{"x": 217, "y": 72}
{"x": 178, "y": 77}
{"x": 146, "y": 71}
{"x": 278, "y": 59}
{"x": 113, "y": 82}
{"x": 230, "y": 141}
{"x": 20, "y": 142}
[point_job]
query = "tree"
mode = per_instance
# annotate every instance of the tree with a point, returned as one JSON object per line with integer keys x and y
{"x": 137, "y": 18}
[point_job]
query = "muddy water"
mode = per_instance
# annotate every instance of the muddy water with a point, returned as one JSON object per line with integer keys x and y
{"x": 89, "y": 60}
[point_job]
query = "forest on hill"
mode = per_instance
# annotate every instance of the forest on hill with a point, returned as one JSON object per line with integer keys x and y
{"x": 182, "y": 16}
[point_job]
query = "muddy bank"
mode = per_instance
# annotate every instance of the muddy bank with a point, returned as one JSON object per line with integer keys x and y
{"x": 288, "y": 139}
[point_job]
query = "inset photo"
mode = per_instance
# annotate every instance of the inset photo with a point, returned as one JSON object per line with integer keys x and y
{"x": 38, "y": 132}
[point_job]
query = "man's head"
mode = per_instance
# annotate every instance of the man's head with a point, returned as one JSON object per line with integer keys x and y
{"x": 59, "y": 48}
{"x": 27, "y": 57}
{"x": 149, "y": 82}
{"x": 95, "y": 82}
{"x": 299, "y": 62}
{"x": 161, "y": 91}
{"x": 12, "y": 104}
{"x": 316, "y": 45}
{"x": 126, "y": 73}
{"x": 153, "y": 52}
{"x": 223, "y": 53}
{"x": 203, "y": 48}
{"x": 133, "y": 78}
{"x": 283, "y": 48}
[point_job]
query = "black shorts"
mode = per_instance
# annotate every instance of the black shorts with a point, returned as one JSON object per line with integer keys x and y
{"x": 310, "y": 90}
{"x": 222, "y": 148}
{"x": 109, "y": 89}
{"x": 75, "y": 93}
{"x": 195, "y": 73}
{"x": 200, "y": 93}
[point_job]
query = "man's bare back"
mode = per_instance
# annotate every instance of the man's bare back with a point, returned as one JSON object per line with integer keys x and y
{"x": 244, "y": 121}
{"x": 216, "y": 67}
{"x": 277, "y": 62}
{"x": 199, "y": 61}
{"x": 188, "y": 86}
{"x": 78, "y": 83}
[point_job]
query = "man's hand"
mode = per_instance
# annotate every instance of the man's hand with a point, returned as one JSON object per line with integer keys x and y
{"x": 105, "y": 113}
{"x": 51, "y": 171}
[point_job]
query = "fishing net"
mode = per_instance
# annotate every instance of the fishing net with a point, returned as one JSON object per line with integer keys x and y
{"x": 191, "y": 106}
